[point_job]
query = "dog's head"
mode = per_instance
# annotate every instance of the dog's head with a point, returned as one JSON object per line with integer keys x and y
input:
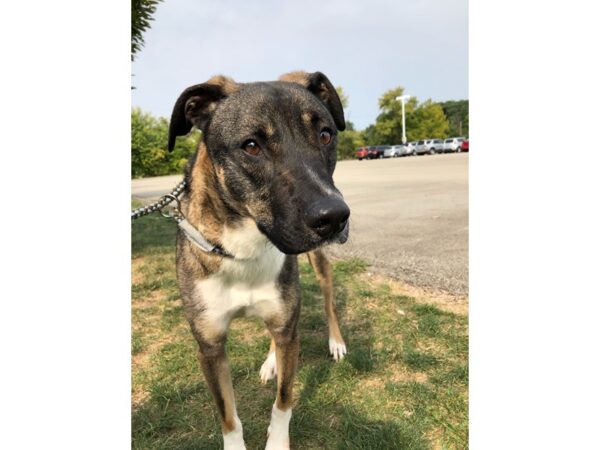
{"x": 272, "y": 145}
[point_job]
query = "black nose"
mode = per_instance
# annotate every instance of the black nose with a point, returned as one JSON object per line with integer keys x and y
{"x": 327, "y": 217}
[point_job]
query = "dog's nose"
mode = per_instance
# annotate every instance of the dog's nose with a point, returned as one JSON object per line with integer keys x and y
{"x": 327, "y": 217}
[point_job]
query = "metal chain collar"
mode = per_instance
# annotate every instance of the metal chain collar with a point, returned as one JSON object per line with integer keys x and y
{"x": 161, "y": 203}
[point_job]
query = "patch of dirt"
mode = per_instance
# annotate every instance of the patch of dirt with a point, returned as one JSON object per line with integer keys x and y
{"x": 138, "y": 396}
{"x": 136, "y": 274}
{"x": 401, "y": 375}
{"x": 435, "y": 436}
{"x": 152, "y": 299}
{"x": 247, "y": 330}
{"x": 377, "y": 383}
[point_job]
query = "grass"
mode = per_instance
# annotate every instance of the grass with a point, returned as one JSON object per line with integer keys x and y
{"x": 403, "y": 384}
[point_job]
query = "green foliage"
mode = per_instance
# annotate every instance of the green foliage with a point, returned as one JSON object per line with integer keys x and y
{"x": 369, "y": 135}
{"x": 457, "y": 112}
{"x": 348, "y": 141}
{"x": 342, "y": 95}
{"x": 141, "y": 15}
{"x": 427, "y": 121}
{"x": 149, "y": 154}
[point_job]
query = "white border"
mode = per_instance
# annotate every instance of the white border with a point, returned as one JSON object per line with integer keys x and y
{"x": 534, "y": 225}
{"x": 65, "y": 319}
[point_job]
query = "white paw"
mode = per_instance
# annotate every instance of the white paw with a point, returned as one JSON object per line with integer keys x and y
{"x": 268, "y": 370}
{"x": 234, "y": 440}
{"x": 278, "y": 431}
{"x": 337, "y": 349}
{"x": 235, "y": 446}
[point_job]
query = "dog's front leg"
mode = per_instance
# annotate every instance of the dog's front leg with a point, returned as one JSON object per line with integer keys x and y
{"x": 287, "y": 347}
{"x": 322, "y": 268}
{"x": 214, "y": 364}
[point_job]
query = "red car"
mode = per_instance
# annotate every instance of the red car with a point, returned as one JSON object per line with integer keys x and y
{"x": 464, "y": 147}
{"x": 376, "y": 152}
{"x": 362, "y": 152}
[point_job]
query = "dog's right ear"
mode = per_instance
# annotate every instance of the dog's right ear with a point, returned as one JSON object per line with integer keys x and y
{"x": 195, "y": 106}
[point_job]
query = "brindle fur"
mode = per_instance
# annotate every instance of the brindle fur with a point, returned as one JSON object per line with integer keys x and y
{"x": 225, "y": 189}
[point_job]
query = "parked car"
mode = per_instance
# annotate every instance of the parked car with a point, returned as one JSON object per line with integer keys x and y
{"x": 406, "y": 150}
{"x": 362, "y": 152}
{"x": 391, "y": 152}
{"x": 412, "y": 148}
{"x": 373, "y": 154}
{"x": 421, "y": 148}
{"x": 395, "y": 151}
{"x": 452, "y": 144}
{"x": 464, "y": 146}
{"x": 377, "y": 151}
{"x": 434, "y": 145}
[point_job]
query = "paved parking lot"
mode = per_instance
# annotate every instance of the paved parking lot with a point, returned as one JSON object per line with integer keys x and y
{"x": 409, "y": 217}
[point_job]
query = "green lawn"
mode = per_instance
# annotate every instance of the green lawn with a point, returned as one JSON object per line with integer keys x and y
{"x": 403, "y": 384}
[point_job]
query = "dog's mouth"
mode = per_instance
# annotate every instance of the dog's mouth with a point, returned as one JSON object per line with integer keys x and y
{"x": 295, "y": 245}
{"x": 341, "y": 237}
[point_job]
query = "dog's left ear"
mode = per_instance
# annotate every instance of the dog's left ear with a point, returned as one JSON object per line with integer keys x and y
{"x": 195, "y": 106}
{"x": 320, "y": 86}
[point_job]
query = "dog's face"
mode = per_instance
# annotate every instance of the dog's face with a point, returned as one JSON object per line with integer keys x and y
{"x": 272, "y": 146}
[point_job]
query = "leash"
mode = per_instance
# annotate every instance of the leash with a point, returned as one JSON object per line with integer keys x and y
{"x": 188, "y": 229}
{"x": 160, "y": 204}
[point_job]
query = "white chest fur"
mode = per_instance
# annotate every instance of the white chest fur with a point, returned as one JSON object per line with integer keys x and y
{"x": 247, "y": 283}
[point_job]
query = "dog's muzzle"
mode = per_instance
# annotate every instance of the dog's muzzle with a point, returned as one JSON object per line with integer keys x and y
{"x": 328, "y": 218}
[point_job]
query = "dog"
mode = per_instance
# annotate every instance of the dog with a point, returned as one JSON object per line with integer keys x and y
{"x": 260, "y": 191}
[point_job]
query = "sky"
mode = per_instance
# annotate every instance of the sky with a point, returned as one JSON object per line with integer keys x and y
{"x": 366, "y": 47}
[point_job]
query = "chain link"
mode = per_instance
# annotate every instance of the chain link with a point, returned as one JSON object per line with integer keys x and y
{"x": 161, "y": 203}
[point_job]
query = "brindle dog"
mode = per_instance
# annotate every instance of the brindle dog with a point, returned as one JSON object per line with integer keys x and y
{"x": 260, "y": 187}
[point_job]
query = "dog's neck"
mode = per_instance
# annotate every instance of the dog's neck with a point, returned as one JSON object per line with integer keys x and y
{"x": 206, "y": 209}
{"x": 203, "y": 206}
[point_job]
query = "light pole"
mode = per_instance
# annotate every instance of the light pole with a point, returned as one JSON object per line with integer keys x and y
{"x": 403, "y": 99}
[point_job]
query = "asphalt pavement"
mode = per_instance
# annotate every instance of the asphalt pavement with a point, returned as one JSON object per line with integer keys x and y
{"x": 409, "y": 217}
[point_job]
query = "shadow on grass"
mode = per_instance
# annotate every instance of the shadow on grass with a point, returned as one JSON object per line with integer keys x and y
{"x": 152, "y": 234}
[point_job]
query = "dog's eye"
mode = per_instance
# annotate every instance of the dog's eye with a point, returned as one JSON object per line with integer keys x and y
{"x": 251, "y": 147}
{"x": 325, "y": 136}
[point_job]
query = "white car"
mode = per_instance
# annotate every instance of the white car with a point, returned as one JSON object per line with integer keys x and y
{"x": 421, "y": 148}
{"x": 452, "y": 144}
{"x": 394, "y": 151}
{"x": 434, "y": 146}
{"x": 412, "y": 148}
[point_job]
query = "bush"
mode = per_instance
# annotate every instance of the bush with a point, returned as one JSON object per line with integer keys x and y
{"x": 149, "y": 154}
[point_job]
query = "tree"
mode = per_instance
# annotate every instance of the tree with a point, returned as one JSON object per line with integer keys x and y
{"x": 343, "y": 97}
{"x": 348, "y": 141}
{"x": 149, "y": 155}
{"x": 141, "y": 15}
{"x": 427, "y": 121}
{"x": 369, "y": 135}
{"x": 457, "y": 112}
